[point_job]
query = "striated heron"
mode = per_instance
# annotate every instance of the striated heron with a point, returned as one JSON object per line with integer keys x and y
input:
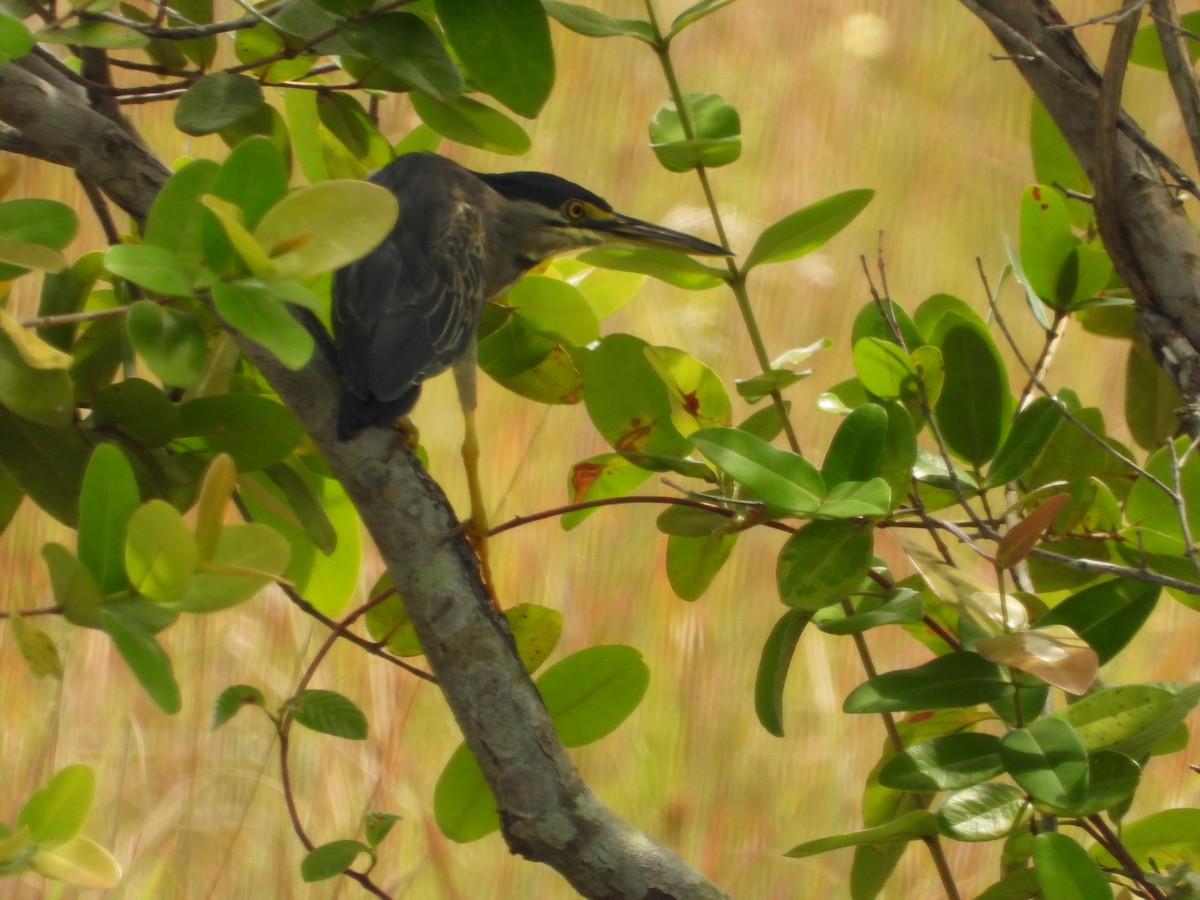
{"x": 410, "y": 308}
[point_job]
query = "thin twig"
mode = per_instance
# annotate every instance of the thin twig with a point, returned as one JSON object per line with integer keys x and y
{"x": 1177, "y": 499}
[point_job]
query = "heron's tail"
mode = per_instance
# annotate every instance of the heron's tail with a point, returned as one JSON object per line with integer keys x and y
{"x": 356, "y": 413}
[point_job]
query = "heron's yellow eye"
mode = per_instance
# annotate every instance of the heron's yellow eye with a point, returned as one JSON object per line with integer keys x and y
{"x": 575, "y": 209}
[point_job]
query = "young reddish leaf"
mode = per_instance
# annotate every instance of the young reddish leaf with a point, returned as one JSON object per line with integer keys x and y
{"x": 1020, "y": 540}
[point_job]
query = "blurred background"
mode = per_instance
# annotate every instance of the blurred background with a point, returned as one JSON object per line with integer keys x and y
{"x": 901, "y": 97}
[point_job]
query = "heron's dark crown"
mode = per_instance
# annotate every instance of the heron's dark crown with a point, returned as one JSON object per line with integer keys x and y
{"x": 546, "y": 190}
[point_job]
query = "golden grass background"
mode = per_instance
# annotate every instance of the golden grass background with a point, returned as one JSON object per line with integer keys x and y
{"x": 894, "y": 95}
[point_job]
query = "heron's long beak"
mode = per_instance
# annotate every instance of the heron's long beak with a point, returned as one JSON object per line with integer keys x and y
{"x": 627, "y": 230}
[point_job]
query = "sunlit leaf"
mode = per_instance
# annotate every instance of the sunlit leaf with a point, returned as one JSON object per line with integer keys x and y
{"x": 945, "y": 763}
{"x": 779, "y": 478}
{"x": 911, "y": 826}
{"x": 37, "y": 648}
{"x": 330, "y": 860}
{"x": 34, "y": 376}
{"x": 1048, "y": 760}
{"x": 592, "y": 691}
{"x": 1064, "y": 869}
{"x": 983, "y": 812}
{"x": 806, "y": 229}
{"x": 56, "y": 812}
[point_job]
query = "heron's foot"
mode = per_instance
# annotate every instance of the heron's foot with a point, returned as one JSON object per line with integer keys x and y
{"x": 475, "y": 530}
{"x": 408, "y": 437}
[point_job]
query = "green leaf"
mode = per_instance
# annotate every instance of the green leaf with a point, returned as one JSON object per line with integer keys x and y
{"x": 255, "y": 178}
{"x": 24, "y": 255}
{"x": 66, "y": 292}
{"x": 901, "y": 606}
{"x": 56, "y": 812}
{"x": 329, "y": 713}
{"x": 135, "y": 409}
{"x": 592, "y": 691}
{"x": 505, "y": 45}
{"x": 1147, "y": 48}
{"x": 37, "y": 649}
{"x": 1112, "y": 779}
{"x": 1152, "y": 399}
{"x": 698, "y": 399}
{"x": 823, "y": 562}
{"x": 779, "y": 478}
{"x": 554, "y": 308}
{"x": 972, "y": 410}
{"x": 247, "y": 558}
{"x": 983, "y": 812}
{"x": 409, "y": 49}
{"x": 676, "y": 269}
{"x": 856, "y": 499}
{"x": 1163, "y": 839}
{"x": 1064, "y": 870}
{"x": 78, "y": 861}
{"x": 253, "y": 430}
{"x": 216, "y": 101}
{"x": 36, "y": 221}
{"x": 347, "y": 121}
{"x": 918, "y": 823}
{"x": 1048, "y": 760}
{"x": 694, "y": 14}
{"x": 945, "y": 763}
{"x": 627, "y": 401}
{"x": 102, "y": 35}
{"x": 806, "y": 229}
{"x": 320, "y": 227}
{"x": 1106, "y": 615}
{"x": 535, "y": 630}
{"x": 176, "y": 219}
{"x": 1047, "y": 242}
{"x": 1148, "y": 507}
{"x": 884, "y": 368}
{"x": 599, "y": 478}
{"x": 34, "y": 377}
{"x": 233, "y": 700}
{"x": 953, "y": 680}
{"x": 472, "y": 123}
{"x": 1055, "y": 163}
{"x": 154, "y": 268}
{"x": 1130, "y": 718}
{"x": 74, "y": 587}
{"x": 1027, "y": 438}
{"x": 160, "y": 553}
{"x": 693, "y": 562}
{"x": 856, "y": 450}
{"x": 593, "y": 23}
{"x": 773, "y": 667}
{"x": 141, "y": 652}
{"x": 107, "y": 499}
{"x": 870, "y": 322}
{"x": 48, "y": 463}
{"x": 171, "y": 342}
{"x": 257, "y": 312}
{"x": 330, "y": 860}
{"x": 15, "y": 39}
{"x": 463, "y": 804}
{"x": 716, "y": 131}
{"x": 376, "y": 826}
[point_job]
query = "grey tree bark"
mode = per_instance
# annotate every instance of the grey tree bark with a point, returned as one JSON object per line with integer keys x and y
{"x": 548, "y": 813}
{"x": 1153, "y": 245}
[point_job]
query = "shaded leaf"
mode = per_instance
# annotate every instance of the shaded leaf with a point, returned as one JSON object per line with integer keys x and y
{"x": 329, "y": 713}
{"x": 216, "y": 101}
{"x": 955, "y": 679}
{"x": 911, "y": 826}
{"x": 592, "y": 691}
{"x": 330, "y": 860}
{"x": 234, "y": 699}
{"x": 773, "y": 667}
{"x": 945, "y": 763}
{"x": 823, "y": 562}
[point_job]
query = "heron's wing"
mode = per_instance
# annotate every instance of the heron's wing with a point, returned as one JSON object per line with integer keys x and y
{"x": 406, "y": 310}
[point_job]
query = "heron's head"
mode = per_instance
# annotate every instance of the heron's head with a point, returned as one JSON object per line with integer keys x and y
{"x": 542, "y": 215}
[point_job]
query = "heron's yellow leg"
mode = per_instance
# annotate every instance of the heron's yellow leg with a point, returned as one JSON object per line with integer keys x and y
{"x": 477, "y": 525}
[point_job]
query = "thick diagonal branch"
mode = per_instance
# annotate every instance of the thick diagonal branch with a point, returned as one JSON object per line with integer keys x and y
{"x": 1154, "y": 247}
{"x": 548, "y": 813}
